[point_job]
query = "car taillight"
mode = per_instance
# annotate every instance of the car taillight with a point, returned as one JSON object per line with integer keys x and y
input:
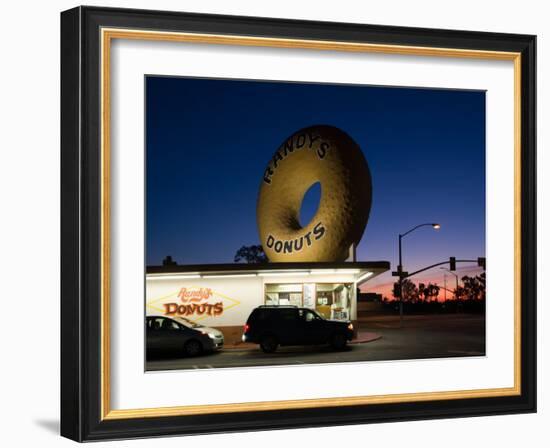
{"x": 246, "y": 327}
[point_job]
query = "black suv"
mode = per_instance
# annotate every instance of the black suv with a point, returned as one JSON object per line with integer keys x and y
{"x": 271, "y": 326}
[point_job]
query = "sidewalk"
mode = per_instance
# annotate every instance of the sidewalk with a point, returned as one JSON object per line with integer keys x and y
{"x": 365, "y": 336}
{"x": 362, "y": 338}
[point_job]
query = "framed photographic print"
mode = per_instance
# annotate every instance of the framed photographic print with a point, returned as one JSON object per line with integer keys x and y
{"x": 276, "y": 224}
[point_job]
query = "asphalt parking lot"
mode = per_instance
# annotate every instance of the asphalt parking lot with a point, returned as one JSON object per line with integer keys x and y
{"x": 421, "y": 337}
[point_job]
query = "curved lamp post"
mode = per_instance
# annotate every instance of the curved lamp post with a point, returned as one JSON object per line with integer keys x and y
{"x": 451, "y": 272}
{"x": 433, "y": 225}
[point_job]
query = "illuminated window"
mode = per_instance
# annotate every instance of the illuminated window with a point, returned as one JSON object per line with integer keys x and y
{"x": 284, "y": 294}
{"x": 333, "y": 300}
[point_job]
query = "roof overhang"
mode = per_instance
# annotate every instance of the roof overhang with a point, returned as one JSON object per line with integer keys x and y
{"x": 360, "y": 271}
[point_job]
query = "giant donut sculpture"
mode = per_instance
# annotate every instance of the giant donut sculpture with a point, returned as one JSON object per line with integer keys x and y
{"x": 323, "y": 154}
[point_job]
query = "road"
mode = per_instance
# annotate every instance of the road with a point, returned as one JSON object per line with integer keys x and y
{"x": 421, "y": 337}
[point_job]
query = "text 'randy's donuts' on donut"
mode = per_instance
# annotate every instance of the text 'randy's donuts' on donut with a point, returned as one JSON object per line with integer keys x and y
{"x": 323, "y": 154}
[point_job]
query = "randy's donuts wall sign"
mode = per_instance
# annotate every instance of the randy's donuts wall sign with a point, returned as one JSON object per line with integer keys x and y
{"x": 323, "y": 154}
{"x": 194, "y": 301}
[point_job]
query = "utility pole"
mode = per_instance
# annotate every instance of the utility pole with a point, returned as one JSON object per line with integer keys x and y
{"x": 456, "y": 276}
{"x": 402, "y": 274}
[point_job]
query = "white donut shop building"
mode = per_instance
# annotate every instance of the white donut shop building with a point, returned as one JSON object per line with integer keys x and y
{"x": 223, "y": 295}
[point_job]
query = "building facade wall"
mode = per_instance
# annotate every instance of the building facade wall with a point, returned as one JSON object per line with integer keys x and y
{"x": 226, "y": 302}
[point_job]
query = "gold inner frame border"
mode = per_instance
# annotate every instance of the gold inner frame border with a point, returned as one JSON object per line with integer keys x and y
{"x": 107, "y": 35}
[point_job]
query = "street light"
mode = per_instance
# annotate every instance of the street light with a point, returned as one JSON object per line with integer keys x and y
{"x": 451, "y": 272}
{"x": 400, "y": 271}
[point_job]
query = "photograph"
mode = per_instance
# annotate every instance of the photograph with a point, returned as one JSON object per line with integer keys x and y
{"x": 292, "y": 223}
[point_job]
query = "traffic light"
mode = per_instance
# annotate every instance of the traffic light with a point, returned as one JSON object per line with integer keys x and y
{"x": 397, "y": 290}
{"x": 481, "y": 262}
{"x": 452, "y": 264}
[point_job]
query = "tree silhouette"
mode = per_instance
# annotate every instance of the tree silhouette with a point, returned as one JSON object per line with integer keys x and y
{"x": 414, "y": 294}
{"x": 251, "y": 254}
{"x": 410, "y": 291}
{"x": 473, "y": 289}
{"x": 423, "y": 291}
{"x": 431, "y": 292}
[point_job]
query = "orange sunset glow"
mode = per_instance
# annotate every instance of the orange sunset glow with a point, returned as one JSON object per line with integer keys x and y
{"x": 384, "y": 283}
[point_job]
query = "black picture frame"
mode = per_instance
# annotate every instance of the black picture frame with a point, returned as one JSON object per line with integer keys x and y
{"x": 81, "y": 208}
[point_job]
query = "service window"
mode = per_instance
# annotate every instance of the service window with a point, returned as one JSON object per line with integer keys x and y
{"x": 284, "y": 294}
{"x": 333, "y": 300}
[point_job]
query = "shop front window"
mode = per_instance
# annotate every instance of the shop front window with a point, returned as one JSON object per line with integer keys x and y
{"x": 283, "y": 294}
{"x": 334, "y": 300}
{"x": 330, "y": 300}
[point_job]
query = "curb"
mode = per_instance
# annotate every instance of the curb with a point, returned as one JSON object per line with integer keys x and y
{"x": 366, "y": 338}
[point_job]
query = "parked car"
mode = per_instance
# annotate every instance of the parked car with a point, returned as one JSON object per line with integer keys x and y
{"x": 271, "y": 326}
{"x": 181, "y": 336}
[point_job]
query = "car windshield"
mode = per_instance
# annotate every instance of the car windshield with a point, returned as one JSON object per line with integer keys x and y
{"x": 188, "y": 323}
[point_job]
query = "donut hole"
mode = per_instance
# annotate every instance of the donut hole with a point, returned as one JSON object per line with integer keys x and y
{"x": 310, "y": 204}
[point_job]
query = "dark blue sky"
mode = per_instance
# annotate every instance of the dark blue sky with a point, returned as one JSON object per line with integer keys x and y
{"x": 208, "y": 143}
